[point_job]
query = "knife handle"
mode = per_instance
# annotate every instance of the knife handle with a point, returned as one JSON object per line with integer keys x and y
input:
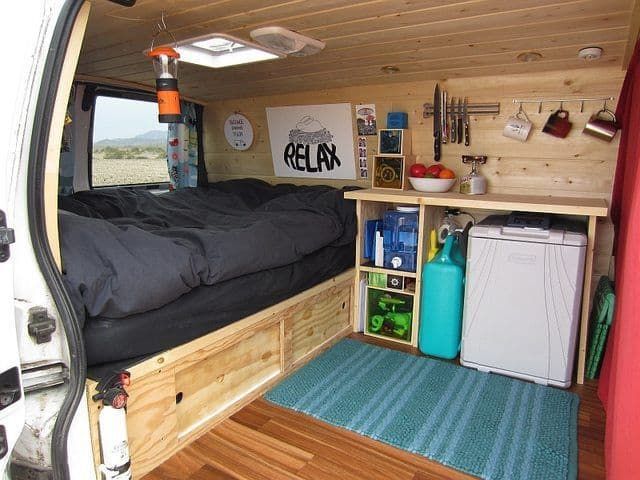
{"x": 459, "y": 130}
{"x": 436, "y": 148}
{"x": 467, "y": 140}
{"x": 454, "y": 129}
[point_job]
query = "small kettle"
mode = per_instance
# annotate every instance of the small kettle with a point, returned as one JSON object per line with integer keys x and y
{"x": 474, "y": 183}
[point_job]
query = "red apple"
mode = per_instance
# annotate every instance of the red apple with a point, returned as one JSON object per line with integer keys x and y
{"x": 435, "y": 169}
{"x": 418, "y": 170}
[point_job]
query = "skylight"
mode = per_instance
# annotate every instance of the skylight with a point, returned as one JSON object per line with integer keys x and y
{"x": 219, "y": 50}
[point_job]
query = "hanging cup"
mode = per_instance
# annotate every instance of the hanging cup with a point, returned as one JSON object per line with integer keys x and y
{"x": 518, "y": 126}
{"x": 558, "y": 124}
{"x": 602, "y": 125}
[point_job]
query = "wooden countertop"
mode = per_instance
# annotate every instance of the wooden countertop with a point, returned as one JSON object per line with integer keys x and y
{"x": 596, "y": 207}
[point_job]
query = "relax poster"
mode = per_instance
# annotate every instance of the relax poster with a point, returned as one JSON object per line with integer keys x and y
{"x": 312, "y": 141}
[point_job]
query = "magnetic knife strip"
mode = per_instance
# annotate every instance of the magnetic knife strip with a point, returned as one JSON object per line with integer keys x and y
{"x": 472, "y": 109}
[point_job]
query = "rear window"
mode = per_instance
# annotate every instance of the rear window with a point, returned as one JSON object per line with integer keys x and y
{"x": 129, "y": 144}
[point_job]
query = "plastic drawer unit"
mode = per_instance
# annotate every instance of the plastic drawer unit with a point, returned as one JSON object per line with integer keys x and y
{"x": 522, "y": 300}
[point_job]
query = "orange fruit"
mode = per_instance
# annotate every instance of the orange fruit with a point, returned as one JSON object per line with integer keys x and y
{"x": 446, "y": 173}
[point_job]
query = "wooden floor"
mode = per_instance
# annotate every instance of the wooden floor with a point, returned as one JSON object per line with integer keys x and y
{"x": 265, "y": 442}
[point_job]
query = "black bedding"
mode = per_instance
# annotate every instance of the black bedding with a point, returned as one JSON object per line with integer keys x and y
{"x": 130, "y": 251}
{"x": 208, "y": 308}
{"x": 148, "y": 272}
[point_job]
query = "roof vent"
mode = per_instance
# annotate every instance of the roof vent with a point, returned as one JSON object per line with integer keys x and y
{"x": 286, "y": 42}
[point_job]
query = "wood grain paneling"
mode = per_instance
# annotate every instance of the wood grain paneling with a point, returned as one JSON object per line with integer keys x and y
{"x": 426, "y": 39}
{"x": 151, "y": 419}
{"x": 212, "y": 384}
{"x": 312, "y": 323}
{"x": 576, "y": 166}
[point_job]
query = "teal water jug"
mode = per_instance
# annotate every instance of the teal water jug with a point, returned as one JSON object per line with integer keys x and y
{"x": 441, "y": 302}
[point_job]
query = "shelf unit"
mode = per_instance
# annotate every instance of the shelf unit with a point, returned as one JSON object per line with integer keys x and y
{"x": 372, "y": 203}
{"x": 370, "y": 210}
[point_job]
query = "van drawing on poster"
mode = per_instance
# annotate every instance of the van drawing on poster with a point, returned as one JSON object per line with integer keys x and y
{"x": 312, "y": 141}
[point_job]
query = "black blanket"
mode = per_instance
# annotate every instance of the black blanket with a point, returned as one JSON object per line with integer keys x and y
{"x": 129, "y": 251}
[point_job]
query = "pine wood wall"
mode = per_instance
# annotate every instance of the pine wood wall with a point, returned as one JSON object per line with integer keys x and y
{"x": 576, "y": 166}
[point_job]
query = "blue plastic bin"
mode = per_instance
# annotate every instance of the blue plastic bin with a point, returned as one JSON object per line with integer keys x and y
{"x": 441, "y": 302}
{"x": 400, "y": 239}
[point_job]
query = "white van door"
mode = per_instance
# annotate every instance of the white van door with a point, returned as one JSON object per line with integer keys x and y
{"x": 12, "y": 412}
{"x": 29, "y": 26}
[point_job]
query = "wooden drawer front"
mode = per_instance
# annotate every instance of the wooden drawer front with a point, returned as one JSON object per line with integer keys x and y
{"x": 224, "y": 377}
{"x": 318, "y": 319}
{"x": 151, "y": 419}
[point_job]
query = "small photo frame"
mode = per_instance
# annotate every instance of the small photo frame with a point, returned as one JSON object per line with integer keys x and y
{"x": 393, "y": 141}
{"x": 388, "y": 172}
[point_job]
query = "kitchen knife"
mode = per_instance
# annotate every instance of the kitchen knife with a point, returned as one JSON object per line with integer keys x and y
{"x": 443, "y": 115}
{"x": 467, "y": 139}
{"x": 453, "y": 128}
{"x": 459, "y": 120}
{"x": 436, "y": 124}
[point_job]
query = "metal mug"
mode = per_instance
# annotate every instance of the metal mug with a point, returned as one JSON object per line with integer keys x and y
{"x": 558, "y": 124}
{"x": 602, "y": 128}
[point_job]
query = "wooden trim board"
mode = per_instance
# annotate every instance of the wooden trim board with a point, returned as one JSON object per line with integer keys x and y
{"x": 586, "y": 300}
{"x": 634, "y": 31}
{"x": 114, "y": 82}
{"x": 52, "y": 163}
{"x": 491, "y": 201}
{"x": 180, "y": 394}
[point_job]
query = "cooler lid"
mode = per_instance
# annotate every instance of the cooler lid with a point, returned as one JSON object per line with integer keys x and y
{"x": 560, "y": 233}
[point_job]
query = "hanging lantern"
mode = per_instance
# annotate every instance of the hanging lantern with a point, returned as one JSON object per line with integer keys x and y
{"x": 165, "y": 65}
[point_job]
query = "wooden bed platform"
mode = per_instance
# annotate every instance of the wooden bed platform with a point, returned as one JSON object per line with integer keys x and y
{"x": 180, "y": 394}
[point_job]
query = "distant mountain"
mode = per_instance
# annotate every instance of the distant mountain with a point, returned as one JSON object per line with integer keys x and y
{"x": 153, "y": 138}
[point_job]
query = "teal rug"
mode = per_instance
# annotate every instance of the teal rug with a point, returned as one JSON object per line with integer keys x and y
{"x": 484, "y": 424}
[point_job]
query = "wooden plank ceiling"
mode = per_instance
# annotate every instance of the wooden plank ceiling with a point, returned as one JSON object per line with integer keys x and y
{"x": 425, "y": 39}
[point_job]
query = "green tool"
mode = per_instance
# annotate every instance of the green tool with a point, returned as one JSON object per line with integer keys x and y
{"x": 601, "y": 319}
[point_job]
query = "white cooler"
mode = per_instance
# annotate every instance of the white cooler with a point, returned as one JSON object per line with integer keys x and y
{"x": 522, "y": 301}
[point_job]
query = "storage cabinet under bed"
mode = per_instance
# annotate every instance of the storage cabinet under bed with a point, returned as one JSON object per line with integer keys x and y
{"x": 179, "y": 394}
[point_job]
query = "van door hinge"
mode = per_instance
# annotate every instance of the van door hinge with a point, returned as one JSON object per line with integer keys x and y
{"x": 40, "y": 325}
{"x": 7, "y": 237}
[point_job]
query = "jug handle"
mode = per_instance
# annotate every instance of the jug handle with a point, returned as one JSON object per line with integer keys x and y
{"x": 448, "y": 245}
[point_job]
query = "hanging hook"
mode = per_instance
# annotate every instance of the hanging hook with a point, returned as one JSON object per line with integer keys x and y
{"x": 520, "y": 108}
{"x": 539, "y": 107}
{"x": 561, "y": 105}
{"x": 162, "y": 28}
{"x": 582, "y": 106}
{"x": 164, "y": 23}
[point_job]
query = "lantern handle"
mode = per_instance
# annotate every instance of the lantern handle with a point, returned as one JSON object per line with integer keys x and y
{"x": 162, "y": 28}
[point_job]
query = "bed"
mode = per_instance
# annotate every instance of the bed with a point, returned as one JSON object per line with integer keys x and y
{"x": 147, "y": 272}
{"x": 207, "y": 296}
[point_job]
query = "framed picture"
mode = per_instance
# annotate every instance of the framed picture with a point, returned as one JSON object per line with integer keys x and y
{"x": 393, "y": 141}
{"x": 388, "y": 172}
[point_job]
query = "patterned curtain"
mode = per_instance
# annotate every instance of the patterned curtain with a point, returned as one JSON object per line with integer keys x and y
{"x": 65, "y": 173}
{"x": 182, "y": 149}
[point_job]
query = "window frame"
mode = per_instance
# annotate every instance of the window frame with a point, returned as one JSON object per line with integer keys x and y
{"x": 114, "y": 92}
